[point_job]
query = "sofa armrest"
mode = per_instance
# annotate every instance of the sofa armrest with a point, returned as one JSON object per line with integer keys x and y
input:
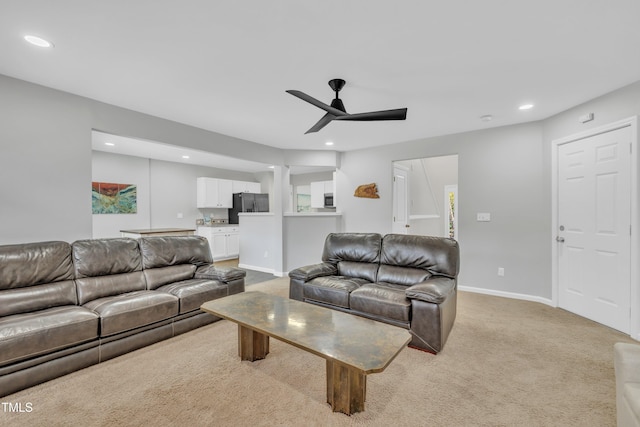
{"x": 434, "y": 290}
{"x": 627, "y": 362}
{"x": 223, "y": 274}
{"x": 310, "y": 272}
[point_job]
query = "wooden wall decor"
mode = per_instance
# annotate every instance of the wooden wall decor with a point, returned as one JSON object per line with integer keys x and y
{"x": 369, "y": 191}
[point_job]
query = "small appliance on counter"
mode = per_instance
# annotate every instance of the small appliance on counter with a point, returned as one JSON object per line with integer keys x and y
{"x": 248, "y": 202}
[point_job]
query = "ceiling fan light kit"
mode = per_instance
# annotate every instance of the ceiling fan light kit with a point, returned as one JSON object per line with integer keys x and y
{"x": 337, "y": 111}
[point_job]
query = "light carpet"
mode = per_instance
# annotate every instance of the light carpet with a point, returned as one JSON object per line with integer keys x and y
{"x": 506, "y": 363}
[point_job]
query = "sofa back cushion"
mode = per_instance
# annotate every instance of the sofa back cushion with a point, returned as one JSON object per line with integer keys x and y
{"x": 407, "y": 259}
{"x": 354, "y": 254}
{"x": 35, "y": 276}
{"x": 174, "y": 250}
{"x": 105, "y": 267}
{"x": 156, "y": 277}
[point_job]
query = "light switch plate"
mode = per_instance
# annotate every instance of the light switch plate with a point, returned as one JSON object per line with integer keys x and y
{"x": 483, "y": 216}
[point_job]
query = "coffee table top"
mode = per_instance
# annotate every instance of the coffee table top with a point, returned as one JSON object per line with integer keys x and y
{"x": 360, "y": 343}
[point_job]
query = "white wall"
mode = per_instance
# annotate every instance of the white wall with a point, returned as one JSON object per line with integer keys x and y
{"x": 501, "y": 171}
{"x": 45, "y": 157}
{"x": 108, "y": 167}
{"x": 45, "y": 174}
{"x": 165, "y": 189}
{"x": 45, "y": 164}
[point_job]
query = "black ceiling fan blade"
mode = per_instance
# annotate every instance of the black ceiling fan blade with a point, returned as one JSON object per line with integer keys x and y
{"x": 397, "y": 114}
{"x": 311, "y": 100}
{"x": 325, "y": 120}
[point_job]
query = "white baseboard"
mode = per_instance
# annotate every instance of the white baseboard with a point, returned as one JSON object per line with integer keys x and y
{"x": 264, "y": 270}
{"x": 504, "y": 294}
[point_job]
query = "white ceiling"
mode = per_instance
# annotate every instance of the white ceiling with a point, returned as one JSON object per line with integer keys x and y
{"x": 154, "y": 150}
{"x": 225, "y": 66}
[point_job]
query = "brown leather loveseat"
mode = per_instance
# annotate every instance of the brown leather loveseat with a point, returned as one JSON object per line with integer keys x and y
{"x": 407, "y": 281}
{"x": 64, "y": 306}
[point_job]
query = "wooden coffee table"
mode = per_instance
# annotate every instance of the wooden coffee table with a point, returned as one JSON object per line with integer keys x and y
{"x": 352, "y": 346}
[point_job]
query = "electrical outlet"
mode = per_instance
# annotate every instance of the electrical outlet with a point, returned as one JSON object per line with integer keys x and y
{"x": 500, "y": 271}
{"x": 266, "y": 254}
{"x": 180, "y": 215}
{"x": 483, "y": 217}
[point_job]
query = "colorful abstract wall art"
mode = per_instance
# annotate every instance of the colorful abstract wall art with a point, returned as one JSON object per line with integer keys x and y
{"x": 109, "y": 198}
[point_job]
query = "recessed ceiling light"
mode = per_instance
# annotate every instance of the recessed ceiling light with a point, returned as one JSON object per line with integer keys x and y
{"x": 486, "y": 118}
{"x": 272, "y": 167}
{"x": 38, "y": 41}
{"x": 525, "y": 107}
{"x": 185, "y": 157}
{"x": 328, "y": 143}
{"x": 110, "y": 144}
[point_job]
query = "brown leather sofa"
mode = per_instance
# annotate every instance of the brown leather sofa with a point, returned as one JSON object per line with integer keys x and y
{"x": 64, "y": 306}
{"x": 407, "y": 281}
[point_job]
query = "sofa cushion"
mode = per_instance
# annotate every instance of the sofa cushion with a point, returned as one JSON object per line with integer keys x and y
{"x": 156, "y": 277}
{"x": 35, "y": 276}
{"x": 360, "y": 270}
{"x": 162, "y": 251}
{"x": 382, "y": 299}
{"x": 333, "y": 290}
{"x": 359, "y": 247}
{"x": 32, "y": 264}
{"x": 437, "y": 255}
{"x": 123, "y": 312}
{"x": 92, "y": 288}
{"x": 40, "y": 297}
{"x": 105, "y": 257}
{"x": 28, "y": 335}
{"x": 195, "y": 292}
{"x": 402, "y": 275}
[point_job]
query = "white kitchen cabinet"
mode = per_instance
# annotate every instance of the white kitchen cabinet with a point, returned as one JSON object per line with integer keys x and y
{"x": 317, "y": 194}
{"x": 245, "y": 187}
{"x": 318, "y": 190}
{"x": 214, "y": 193}
{"x": 224, "y": 242}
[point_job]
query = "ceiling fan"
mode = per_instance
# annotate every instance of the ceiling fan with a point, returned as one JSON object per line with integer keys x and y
{"x": 336, "y": 110}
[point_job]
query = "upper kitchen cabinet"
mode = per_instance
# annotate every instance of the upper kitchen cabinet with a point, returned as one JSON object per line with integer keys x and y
{"x": 214, "y": 193}
{"x": 319, "y": 190}
{"x": 245, "y": 187}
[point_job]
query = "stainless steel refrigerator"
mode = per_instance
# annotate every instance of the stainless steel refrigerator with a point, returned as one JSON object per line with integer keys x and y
{"x": 248, "y": 202}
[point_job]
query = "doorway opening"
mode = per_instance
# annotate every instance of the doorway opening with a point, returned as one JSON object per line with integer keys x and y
{"x": 425, "y": 196}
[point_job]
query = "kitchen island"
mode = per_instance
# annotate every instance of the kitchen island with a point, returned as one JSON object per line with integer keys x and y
{"x": 146, "y": 232}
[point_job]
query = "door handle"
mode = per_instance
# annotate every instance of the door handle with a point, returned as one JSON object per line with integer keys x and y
{"x": 559, "y": 239}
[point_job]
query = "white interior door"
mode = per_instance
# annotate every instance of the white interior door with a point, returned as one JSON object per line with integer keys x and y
{"x": 594, "y": 227}
{"x": 400, "y": 223}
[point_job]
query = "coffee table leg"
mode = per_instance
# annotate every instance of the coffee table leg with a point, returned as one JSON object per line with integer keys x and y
{"x": 346, "y": 388}
{"x": 252, "y": 345}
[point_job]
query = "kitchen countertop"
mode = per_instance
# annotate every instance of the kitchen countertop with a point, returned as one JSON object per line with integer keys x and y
{"x": 149, "y": 231}
{"x": 307, "y": 214}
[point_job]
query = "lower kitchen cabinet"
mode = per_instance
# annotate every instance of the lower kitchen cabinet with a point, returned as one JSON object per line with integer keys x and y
{"x": 223, "y": 241}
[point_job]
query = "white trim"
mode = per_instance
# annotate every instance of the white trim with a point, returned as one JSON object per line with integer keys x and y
{"x": 511, "y": 295}
{"x": 415, "y": 217}
{"x": 264, "y": 270}
{"x": 634, "y": 321}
